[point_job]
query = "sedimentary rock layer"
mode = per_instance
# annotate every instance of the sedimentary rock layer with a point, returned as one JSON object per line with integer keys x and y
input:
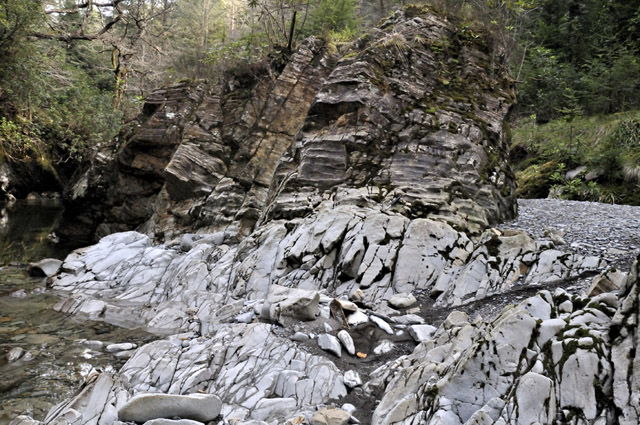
{"x": 409, "y": 119}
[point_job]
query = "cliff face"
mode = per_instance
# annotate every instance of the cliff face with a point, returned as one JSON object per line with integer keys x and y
{"x": 201, "y": 155}
{"x": 410, "y": 118}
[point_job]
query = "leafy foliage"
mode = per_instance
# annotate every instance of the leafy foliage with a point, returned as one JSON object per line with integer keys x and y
{"x": 582, "y": 57}
{"x": 608, "y": 146}
{"x": 53, "y": 101}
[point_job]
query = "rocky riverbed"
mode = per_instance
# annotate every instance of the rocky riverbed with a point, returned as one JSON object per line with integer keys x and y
{"x": 589, "y": 228}
{"x": 324, "y": 246}
{"x": 44, "y": 355}
{"x": 251, "y": 353}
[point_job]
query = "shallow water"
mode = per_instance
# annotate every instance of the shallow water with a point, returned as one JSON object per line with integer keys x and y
{"x": 24, "y": 229}
{"x": 59, "y": 358}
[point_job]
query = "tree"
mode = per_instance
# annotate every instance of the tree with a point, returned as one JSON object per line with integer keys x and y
{"x": 133, "y": 30}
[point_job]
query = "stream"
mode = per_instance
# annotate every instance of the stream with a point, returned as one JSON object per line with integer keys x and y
{"x": 57, "y": 355}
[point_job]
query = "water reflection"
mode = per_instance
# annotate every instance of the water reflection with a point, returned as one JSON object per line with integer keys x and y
{"x": 24, "y": 229}
{"x": 53, "y": 359}
{"x": 58, "y": 360}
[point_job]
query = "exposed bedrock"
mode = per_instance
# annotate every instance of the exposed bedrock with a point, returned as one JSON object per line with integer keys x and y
{"x": 340, "y": 251}
{"x": 553, "y": 358}
{"x": 316, "y": 245}
{"x": 410, "y": 119}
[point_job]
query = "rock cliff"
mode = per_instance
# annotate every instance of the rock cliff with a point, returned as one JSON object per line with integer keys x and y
{"x": 322, "y": 236}
{"x": 410, "y": 120}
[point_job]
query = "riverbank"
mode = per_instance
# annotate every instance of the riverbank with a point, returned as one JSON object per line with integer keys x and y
{"x": 232, "y": 336}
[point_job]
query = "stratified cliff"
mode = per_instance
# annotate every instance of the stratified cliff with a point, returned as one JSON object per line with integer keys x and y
{"x": 305, "y": 235}
{"x": 410, "y": 119}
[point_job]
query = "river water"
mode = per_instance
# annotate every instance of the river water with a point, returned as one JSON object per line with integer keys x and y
{"x": 57, "y": 356}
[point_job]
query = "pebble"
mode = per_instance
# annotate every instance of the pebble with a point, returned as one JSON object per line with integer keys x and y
{"x": 124, "y": 354}
{"x": 330, "y": 416}
{"x": 357, "y": 295}
{"x": 245, "y": 317}
{"x": 14, "y": 354}
{"x": 589, "y": 228}
{"x": 402, "y": 300}
{"x": 384, "y": 347}
{"x": 382, "y": 324}
{"x": 93, "y": 344}
{"x": 348, "y": 305}
{"x": 347, "y": 342}
{"x": 352, "y": 379}
{"x": 300, "y": 337}
{"x": 20, "y": 293}
{"x": 330, "y": 343}
{"x": 357, "y": 318}
{"x": 349, "y": 408}
{"x": 125, "y": 346}
{"x": 408, "y": 319}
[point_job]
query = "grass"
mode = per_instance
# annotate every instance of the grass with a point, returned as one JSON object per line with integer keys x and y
{"x": 607, "y": 145}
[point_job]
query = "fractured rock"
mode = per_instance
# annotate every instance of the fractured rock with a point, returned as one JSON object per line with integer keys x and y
{"x": 296, "y": 303}
{"x": 330, "y": 416}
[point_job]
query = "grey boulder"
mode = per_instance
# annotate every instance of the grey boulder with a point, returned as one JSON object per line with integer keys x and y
{"x": 299, "y": 304}
{"x": 47, "y": 267}
{"x": 145, "y": 407}
{"x": 330, "y": 343}
{"x": 172, "y": 422}
{"x": 330, "y": 416}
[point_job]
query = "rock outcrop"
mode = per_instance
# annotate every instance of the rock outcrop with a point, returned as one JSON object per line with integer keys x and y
{"x": 200, "y": 155}
{"x": 303, "y": 238}
{"x": 410, "y": 120}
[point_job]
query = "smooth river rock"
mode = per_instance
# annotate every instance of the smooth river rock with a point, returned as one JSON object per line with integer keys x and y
{"x": 144, "y": 407}
{"x": 47, "y": 267}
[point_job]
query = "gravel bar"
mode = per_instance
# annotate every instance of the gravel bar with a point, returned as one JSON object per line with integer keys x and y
{"x": 591, "y": 228}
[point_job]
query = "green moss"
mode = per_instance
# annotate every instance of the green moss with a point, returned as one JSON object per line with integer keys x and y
{"x": 350, "y": 55}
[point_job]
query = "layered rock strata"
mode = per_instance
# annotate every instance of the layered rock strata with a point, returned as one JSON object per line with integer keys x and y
{"x": 409, "y": 120}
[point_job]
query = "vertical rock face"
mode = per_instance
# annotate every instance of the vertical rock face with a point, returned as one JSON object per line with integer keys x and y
{"x": 117, "y": 190}
{"x": 409, "y": 120}
{"x": 625, "y": 334}
{"x": 202, "y": 157}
